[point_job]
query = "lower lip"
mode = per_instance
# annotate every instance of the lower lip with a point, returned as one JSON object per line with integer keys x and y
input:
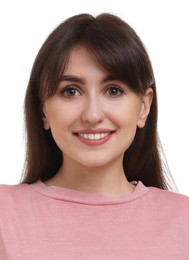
{"x": 94, "y": 142}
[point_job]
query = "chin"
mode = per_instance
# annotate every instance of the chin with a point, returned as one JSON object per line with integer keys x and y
{"x": 95, "y": 163}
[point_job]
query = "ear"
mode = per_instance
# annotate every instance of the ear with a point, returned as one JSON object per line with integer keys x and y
{"x": 46, "y": 125}
{"x": 145, "y": 107}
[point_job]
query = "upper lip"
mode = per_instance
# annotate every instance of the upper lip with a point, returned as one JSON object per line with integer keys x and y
{"x": 94, "y": 131}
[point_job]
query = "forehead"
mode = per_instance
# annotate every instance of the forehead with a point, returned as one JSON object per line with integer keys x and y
{"x": 81, "y": 60}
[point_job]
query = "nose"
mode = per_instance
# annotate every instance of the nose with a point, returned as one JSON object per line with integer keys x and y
{"x": 93, "y": 111}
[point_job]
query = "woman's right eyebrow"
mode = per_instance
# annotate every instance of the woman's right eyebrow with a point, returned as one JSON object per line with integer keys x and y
{"x": 73, "y": 78}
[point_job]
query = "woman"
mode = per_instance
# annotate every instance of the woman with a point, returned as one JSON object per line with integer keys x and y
{"x": 94, "y": 186}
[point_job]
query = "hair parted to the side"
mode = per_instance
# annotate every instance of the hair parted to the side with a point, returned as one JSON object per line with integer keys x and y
{"x": 120, "y": 51}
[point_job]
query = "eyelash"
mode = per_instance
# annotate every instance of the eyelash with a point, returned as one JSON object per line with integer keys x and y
{"x": 115, "y": 87}
{"x": 75, "y": 88}
{"x": 67, "y": 88}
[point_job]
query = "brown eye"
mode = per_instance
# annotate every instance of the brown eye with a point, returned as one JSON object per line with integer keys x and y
{"x": 114, "y": 91}
{"x": 70, "y": 92}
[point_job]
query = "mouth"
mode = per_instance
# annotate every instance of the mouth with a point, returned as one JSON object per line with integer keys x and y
{"x": 94, "y": 138}
{"x": 97, "y": 136}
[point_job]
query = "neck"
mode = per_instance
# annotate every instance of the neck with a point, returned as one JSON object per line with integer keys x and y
{"x": 108, "y": 179}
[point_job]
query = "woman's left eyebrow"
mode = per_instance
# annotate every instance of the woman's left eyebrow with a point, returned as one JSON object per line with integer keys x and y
{"x": 107, "y": 79}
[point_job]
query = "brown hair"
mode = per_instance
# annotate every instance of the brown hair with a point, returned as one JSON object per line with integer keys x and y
{"x": 120, "y": 51}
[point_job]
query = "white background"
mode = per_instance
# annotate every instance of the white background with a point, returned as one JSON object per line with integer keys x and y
{"x": 162, "y": 25}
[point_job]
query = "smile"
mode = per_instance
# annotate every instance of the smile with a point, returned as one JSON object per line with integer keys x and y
{"x": 96, "y": 136}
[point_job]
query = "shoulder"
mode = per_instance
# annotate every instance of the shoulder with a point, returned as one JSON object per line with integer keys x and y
{"x": 169, "y": 202}
{"x": 168, "y": 196}
{"x": 12, "y": 188}
{"x": 166, "y": 210}
{"x": 12, "y": 193}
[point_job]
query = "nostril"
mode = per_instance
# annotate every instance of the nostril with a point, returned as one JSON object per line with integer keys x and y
{"x": 92, "y": 115}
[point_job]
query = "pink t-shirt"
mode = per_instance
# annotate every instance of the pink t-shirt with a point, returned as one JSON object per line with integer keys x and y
{"x": 39, "y": 222}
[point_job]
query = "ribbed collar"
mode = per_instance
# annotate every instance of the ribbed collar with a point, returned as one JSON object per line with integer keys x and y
{"x": 80, "y": 197}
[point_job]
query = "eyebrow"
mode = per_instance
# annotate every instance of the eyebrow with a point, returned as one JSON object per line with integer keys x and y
{"x": 82, "y": 80}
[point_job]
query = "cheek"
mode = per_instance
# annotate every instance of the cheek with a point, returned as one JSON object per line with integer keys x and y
{"x": 125, "y": 116}
{"x": 60, "y": 116}
{"x": 60, "y": 122}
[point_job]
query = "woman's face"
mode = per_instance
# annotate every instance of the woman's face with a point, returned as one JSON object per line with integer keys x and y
{"x": 93, "y": 117}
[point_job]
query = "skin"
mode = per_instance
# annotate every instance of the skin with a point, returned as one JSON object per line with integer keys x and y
{"x": 88, "y": 100}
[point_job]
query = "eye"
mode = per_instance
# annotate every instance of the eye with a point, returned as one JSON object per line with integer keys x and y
{"x": 70, "y": 91}
{"x": 114, "y": 91}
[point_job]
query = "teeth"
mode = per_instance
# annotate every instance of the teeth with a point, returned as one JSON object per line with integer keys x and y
{"x": 97, "y": 136}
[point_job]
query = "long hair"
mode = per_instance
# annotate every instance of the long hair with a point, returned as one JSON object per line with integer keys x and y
{"x": 120, "y": 51}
